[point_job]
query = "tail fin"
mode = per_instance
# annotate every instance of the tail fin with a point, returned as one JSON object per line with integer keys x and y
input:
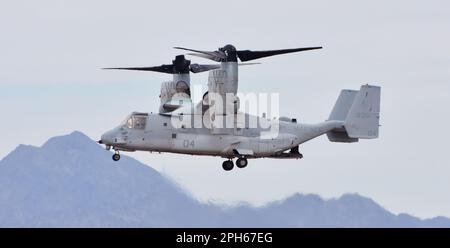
{"x": 360, "y": 112}
{"x": 343, "y": 105}
{"x": 363, "y": 119}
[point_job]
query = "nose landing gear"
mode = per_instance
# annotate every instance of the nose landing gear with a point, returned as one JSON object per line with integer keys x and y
{"x": 116, "y": 156}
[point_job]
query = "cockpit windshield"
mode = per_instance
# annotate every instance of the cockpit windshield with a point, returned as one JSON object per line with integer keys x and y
{"x": 136, "y": 121}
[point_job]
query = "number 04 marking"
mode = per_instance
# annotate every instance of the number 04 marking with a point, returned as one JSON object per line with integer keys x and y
{"x": 188, "y": 143}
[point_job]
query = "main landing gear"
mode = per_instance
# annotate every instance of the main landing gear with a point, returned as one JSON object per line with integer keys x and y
{"x": 241, "y": 162}
{"x": 228, "y": 165}
{"x": 116, "y": 156}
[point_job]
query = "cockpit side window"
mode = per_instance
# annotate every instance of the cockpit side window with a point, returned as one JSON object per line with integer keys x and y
{"x": 139, "y": 122}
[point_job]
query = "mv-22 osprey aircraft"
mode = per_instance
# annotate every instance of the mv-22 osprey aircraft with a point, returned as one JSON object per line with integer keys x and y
{"x": 355, "y": 116}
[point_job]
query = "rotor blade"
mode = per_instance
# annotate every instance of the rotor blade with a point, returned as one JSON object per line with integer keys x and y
{"x": 247, "y": 55}
{"x": 205, "y": 56}
{"x": 215, "y": 55}
{"x": 192, "y": 50}
{"x": 163, "y": 68}
{"x": 196, "y": 68}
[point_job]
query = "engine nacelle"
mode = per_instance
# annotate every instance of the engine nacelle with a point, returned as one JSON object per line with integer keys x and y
{"x": 174, "y": 93}
{"x": 224, "y": 80}
{"x": 222, "y": 89}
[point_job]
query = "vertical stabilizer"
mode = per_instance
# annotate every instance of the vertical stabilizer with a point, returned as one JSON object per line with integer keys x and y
{"x": 363, "y": 118}
{"x": 343, "y": 105}
{"x": 360, "y": 113}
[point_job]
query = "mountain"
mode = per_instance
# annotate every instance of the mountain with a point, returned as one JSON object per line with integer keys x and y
{"x": 71, "y": 182}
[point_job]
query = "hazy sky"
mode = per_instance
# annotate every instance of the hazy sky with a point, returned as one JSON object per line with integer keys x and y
{"x": 50, "y": 84}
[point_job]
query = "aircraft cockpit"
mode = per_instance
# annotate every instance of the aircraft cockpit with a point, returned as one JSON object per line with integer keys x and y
{"x": 136, "y": 121}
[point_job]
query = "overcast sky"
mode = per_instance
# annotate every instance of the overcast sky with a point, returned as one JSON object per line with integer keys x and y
{"x": 50, "y": 84}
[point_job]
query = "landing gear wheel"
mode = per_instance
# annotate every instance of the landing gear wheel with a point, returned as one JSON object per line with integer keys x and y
{"x": 227, "y": 165}
{"x": 241, "y": 162}
{"x": 116, "y": 157}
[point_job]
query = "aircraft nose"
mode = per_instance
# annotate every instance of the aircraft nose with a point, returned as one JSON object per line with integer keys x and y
{"x": 107, "y": 138}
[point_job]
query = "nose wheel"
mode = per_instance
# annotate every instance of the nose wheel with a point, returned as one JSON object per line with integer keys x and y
{"x": 116, "y": 156}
